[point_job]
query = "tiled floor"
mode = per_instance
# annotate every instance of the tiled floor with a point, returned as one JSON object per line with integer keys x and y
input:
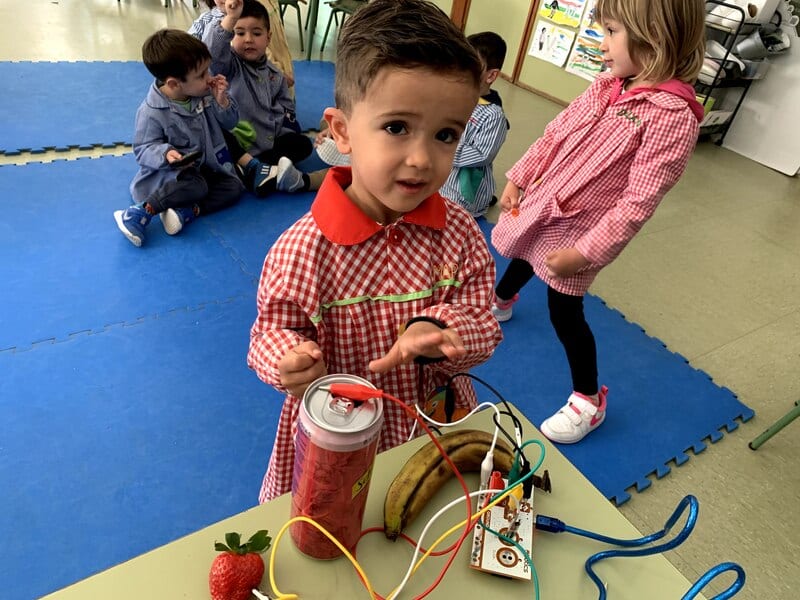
{"x": 715, "y": 275}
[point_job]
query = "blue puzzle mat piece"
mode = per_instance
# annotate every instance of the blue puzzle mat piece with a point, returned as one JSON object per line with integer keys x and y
{"x": 313, "y": 90}
{"x": 658, "y": 405}
{"x": 120, "y": 441}
{"x": 96, "y": 102}
{"x": 67, "y": 104}
{"x": 71, "y": 270}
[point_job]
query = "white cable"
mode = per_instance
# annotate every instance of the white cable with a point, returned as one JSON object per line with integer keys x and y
{"x": 465, "y": 417}
{"x": 403, "y": 583}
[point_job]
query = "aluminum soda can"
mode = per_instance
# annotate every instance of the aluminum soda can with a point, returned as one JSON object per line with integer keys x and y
{"x": 335, "y": 447}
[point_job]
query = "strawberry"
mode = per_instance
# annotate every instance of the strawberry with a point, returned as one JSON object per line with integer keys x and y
{"x": 239, "y": 568}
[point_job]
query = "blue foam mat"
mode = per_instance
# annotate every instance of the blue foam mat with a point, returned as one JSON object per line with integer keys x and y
{"x": 132, "y": 418}
{"x": 96, "y": 102}
{"x": 120, "y": 441}
{"x": 659, "y": 407}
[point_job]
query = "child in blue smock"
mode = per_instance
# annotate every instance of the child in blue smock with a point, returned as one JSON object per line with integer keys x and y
{"x": 182, "y": 116}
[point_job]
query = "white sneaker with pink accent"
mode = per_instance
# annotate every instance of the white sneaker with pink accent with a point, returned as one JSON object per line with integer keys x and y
{"x": 576, "y": 418}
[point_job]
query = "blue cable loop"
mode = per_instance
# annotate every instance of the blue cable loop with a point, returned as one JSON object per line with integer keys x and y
{"x": 690, "y": 503}
{"x": 711, "y": 574}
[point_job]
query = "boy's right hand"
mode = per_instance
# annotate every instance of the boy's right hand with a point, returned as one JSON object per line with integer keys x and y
{"x": 301, "y": 366}
{"x": 233, "y": 9}
{"x": 510, "y": 198}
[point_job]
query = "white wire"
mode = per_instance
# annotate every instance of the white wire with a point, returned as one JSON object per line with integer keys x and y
{"x": 448, "y": 506}
{"x": 464, "y": 418}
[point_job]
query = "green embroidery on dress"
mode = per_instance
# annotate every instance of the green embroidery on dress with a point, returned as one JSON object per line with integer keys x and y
{"x": 630, "y": 115}
{"x": 245, "y": 134}
{"x": 397, "y": 298}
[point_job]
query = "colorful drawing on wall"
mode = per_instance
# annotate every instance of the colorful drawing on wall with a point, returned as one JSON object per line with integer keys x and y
{"x": 590, "y": 28}
{"x": 563, "y": 12}
{"x": 586, "y": 59}
{"x": 551, "y": 43}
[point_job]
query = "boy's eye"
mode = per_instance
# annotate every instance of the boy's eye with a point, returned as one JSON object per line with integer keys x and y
{"x": 395, "y": 128}
{"x": 448, "y": 136}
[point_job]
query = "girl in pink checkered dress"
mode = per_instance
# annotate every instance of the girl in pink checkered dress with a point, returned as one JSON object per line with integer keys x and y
{"x": 585, "y": 188}
{"x": 382, "y": 273}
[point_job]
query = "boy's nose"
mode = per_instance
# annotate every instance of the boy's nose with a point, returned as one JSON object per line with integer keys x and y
{"x": 419, "y": 155}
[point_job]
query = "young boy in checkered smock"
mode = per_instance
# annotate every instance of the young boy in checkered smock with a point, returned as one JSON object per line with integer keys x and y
{"x": 585, "y": 188}
{"x": 380, "y": 248}
{"x": 471, "y": 181}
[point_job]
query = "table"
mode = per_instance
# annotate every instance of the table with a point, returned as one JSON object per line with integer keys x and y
{"x": 180, "y": 569}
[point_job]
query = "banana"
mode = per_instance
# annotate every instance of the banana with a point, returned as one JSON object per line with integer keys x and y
{"x": 427, "y": 471}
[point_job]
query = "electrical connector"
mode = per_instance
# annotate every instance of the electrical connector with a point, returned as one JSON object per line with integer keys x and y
{"x": 487, "y": 466}
{"x": 551, "y": 524}
{"x": 527, "y": 484}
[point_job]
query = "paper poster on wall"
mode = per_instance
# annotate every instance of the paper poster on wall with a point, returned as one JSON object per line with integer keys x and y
{"x": 589, "y": 26}
{"x": 563, "y": 12}
{"x": 586, "y": 60}
{"x": 551, "y": 43}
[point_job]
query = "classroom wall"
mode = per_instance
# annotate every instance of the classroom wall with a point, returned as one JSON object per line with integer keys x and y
{"x": 509, "y": 19}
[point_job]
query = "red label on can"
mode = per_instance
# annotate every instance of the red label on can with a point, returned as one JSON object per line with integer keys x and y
{"x": 331, "y": 488}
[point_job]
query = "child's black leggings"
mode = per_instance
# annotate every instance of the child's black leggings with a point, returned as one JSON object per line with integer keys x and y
{"x": 566, "y": 315}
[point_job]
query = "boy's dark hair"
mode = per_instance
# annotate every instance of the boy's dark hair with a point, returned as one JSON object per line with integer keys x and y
{"x": 210, "y": 4}
{"x": 490, "y": 47}
{"x": 254, "y": 8}
{"x": 173, "y": 53}
{"x": 405, "y": 34}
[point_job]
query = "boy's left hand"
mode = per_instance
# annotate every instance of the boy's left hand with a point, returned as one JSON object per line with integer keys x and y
{"x": 420, "y": 339}
{"x": 565, "y": 262}
{"x": 219, "y": 87}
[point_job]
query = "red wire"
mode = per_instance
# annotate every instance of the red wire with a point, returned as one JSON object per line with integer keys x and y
{"x": 361, "y": 392}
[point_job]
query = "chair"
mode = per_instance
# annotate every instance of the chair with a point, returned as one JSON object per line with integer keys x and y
{"x": 343, "y": 7}
{"x": 283, "y": 5}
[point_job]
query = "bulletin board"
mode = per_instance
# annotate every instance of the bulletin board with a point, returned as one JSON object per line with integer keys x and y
{"x": 564, "y": 53}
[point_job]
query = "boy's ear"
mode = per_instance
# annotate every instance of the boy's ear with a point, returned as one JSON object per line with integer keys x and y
{"x": 337, "y": 123}
{"x": 172, "y": 83}
{"x": 492, "y": 75}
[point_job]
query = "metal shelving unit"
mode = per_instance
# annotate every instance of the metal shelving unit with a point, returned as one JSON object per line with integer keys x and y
{"x": 726, "y": 31}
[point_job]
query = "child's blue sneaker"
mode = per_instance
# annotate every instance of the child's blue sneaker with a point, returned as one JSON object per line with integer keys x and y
{"x": 174, "y": 219}
{"x": 132, "y": 222}
{"x": 261, "y": 177}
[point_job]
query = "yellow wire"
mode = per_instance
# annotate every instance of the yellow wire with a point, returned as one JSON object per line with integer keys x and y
{"x": 350, "y": 557}
{"x": 475, "y": 517}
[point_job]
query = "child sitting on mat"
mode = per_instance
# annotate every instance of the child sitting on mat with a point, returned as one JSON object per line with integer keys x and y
{"x": 471, "y": 181}
{"x": 383, "y": 274}
{"x": 278, "y": 49}
{"x": 266, "y": 142}
{"x": 588, "y": 185}
{"x": 183, "y": 115}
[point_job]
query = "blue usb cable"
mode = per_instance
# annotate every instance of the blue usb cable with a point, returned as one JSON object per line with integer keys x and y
{"x": 553, "y": 525}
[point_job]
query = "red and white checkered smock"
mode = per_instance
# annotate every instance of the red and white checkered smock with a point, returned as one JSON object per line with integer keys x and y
{"x": 596, "y": 176}
{"x": 342, "y": 280}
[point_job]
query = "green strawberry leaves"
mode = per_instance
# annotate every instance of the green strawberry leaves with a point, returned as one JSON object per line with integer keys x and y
{"x": 258, "y": 543}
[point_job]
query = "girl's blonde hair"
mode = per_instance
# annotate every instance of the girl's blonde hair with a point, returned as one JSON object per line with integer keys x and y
{"x": 666, "y": 38}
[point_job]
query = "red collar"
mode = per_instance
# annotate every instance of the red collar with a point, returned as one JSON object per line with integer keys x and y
{"x": 344, "y": 223}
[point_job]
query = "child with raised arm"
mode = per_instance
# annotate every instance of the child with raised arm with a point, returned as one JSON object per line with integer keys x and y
{"x": 266, "y": 142}
{"x": 585, "y": 188}
{"x": 185, "y": 169}
{"x": 471, "y": 181}
{"x": 383, "y": 274}
{"x": 278, "y": 48}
